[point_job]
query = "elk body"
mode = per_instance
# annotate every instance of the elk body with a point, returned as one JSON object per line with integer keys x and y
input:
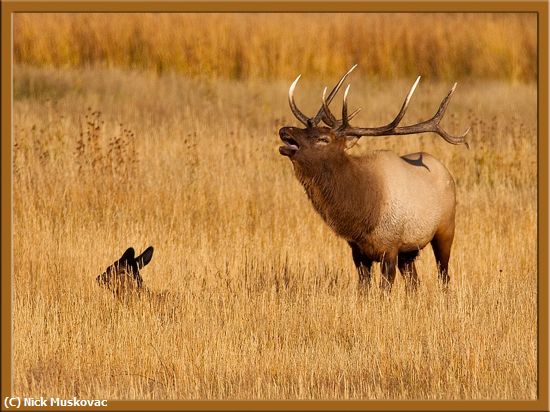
{"x": 385, "y": 206}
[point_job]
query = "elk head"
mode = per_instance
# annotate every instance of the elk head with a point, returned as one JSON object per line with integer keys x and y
{"x": 319, "y": 143}
{"x": 123, "y": 275}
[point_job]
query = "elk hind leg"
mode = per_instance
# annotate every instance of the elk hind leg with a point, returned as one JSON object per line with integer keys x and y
{"x": 407, "y": 268}
{"x": 441, "y": 244}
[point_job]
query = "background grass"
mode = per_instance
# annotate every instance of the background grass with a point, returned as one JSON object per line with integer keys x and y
{"x": 255, "y": 297}
{"x": 243, "y": 46}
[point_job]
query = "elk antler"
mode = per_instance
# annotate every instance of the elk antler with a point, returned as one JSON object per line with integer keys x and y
{"x": 329, "y": 118}
{"x": 313, "y": 121}
{"x": 343, "y": 127}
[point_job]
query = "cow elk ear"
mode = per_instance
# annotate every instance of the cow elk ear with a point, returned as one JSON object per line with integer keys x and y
{"x": 145, "y": 257}
{"x": 127, "y": 256}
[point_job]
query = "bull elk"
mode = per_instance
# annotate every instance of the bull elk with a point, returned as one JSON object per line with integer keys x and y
{"x": 386, "y": 207}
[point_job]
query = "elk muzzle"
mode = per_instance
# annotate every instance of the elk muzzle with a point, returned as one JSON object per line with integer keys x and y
{"x": 290, "y": 146}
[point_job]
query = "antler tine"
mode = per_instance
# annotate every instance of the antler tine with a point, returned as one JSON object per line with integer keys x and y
{"x": 329, "y": 118}
{"x": 439, "y": 115}
{"x": 299, "y": 115}
{"x": 322, "y": 110}
{"x": 460, "y": 139}
{"x": 345, "y": 120}
{"x": 405, "y": 105}
{"x": 354, "y": 113}
{"x": 444, "y": 103}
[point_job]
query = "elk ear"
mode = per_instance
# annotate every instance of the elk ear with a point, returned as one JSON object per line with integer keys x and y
{"x": 127, "y": 256}
{"x": 350, "y": 142}
{"x": 145, "y": 257}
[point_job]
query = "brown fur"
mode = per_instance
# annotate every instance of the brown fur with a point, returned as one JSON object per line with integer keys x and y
{"x": 123, "y": 279}
{"x": 387, "y": 207}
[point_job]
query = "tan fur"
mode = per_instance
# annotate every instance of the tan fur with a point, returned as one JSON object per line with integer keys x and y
{"x": 387, "y": 207}
{"x": 418, "y": 199}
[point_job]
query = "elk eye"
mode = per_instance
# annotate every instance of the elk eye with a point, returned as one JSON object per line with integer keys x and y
{"x": 323, "y": 140}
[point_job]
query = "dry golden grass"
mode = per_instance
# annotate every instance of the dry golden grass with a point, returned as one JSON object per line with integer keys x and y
{"x": 263, "y": 302}
{"x": 449, "y": 45}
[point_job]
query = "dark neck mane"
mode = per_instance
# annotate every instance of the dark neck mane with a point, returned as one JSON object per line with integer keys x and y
{"x": 344, "y": 193}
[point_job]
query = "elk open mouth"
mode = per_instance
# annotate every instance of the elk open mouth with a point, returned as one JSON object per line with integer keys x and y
{"x": 290, "y": 146}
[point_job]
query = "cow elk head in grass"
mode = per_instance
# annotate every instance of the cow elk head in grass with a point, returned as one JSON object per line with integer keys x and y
{"x": 387, "y": 207}
{"x": 123, "y": 276}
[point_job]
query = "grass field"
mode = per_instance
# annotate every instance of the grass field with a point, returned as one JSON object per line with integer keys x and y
{"x": 449, "y": 46}
{"x": 257, "y": 297}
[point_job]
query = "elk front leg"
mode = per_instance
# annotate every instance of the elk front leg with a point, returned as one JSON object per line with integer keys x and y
{"x": 363, "y": 265}
{"x": 388, "y": 266}
{"x": 405, "y": 263}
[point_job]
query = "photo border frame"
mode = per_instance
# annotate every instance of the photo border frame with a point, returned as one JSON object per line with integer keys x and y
{"x": 538, "y": 7}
